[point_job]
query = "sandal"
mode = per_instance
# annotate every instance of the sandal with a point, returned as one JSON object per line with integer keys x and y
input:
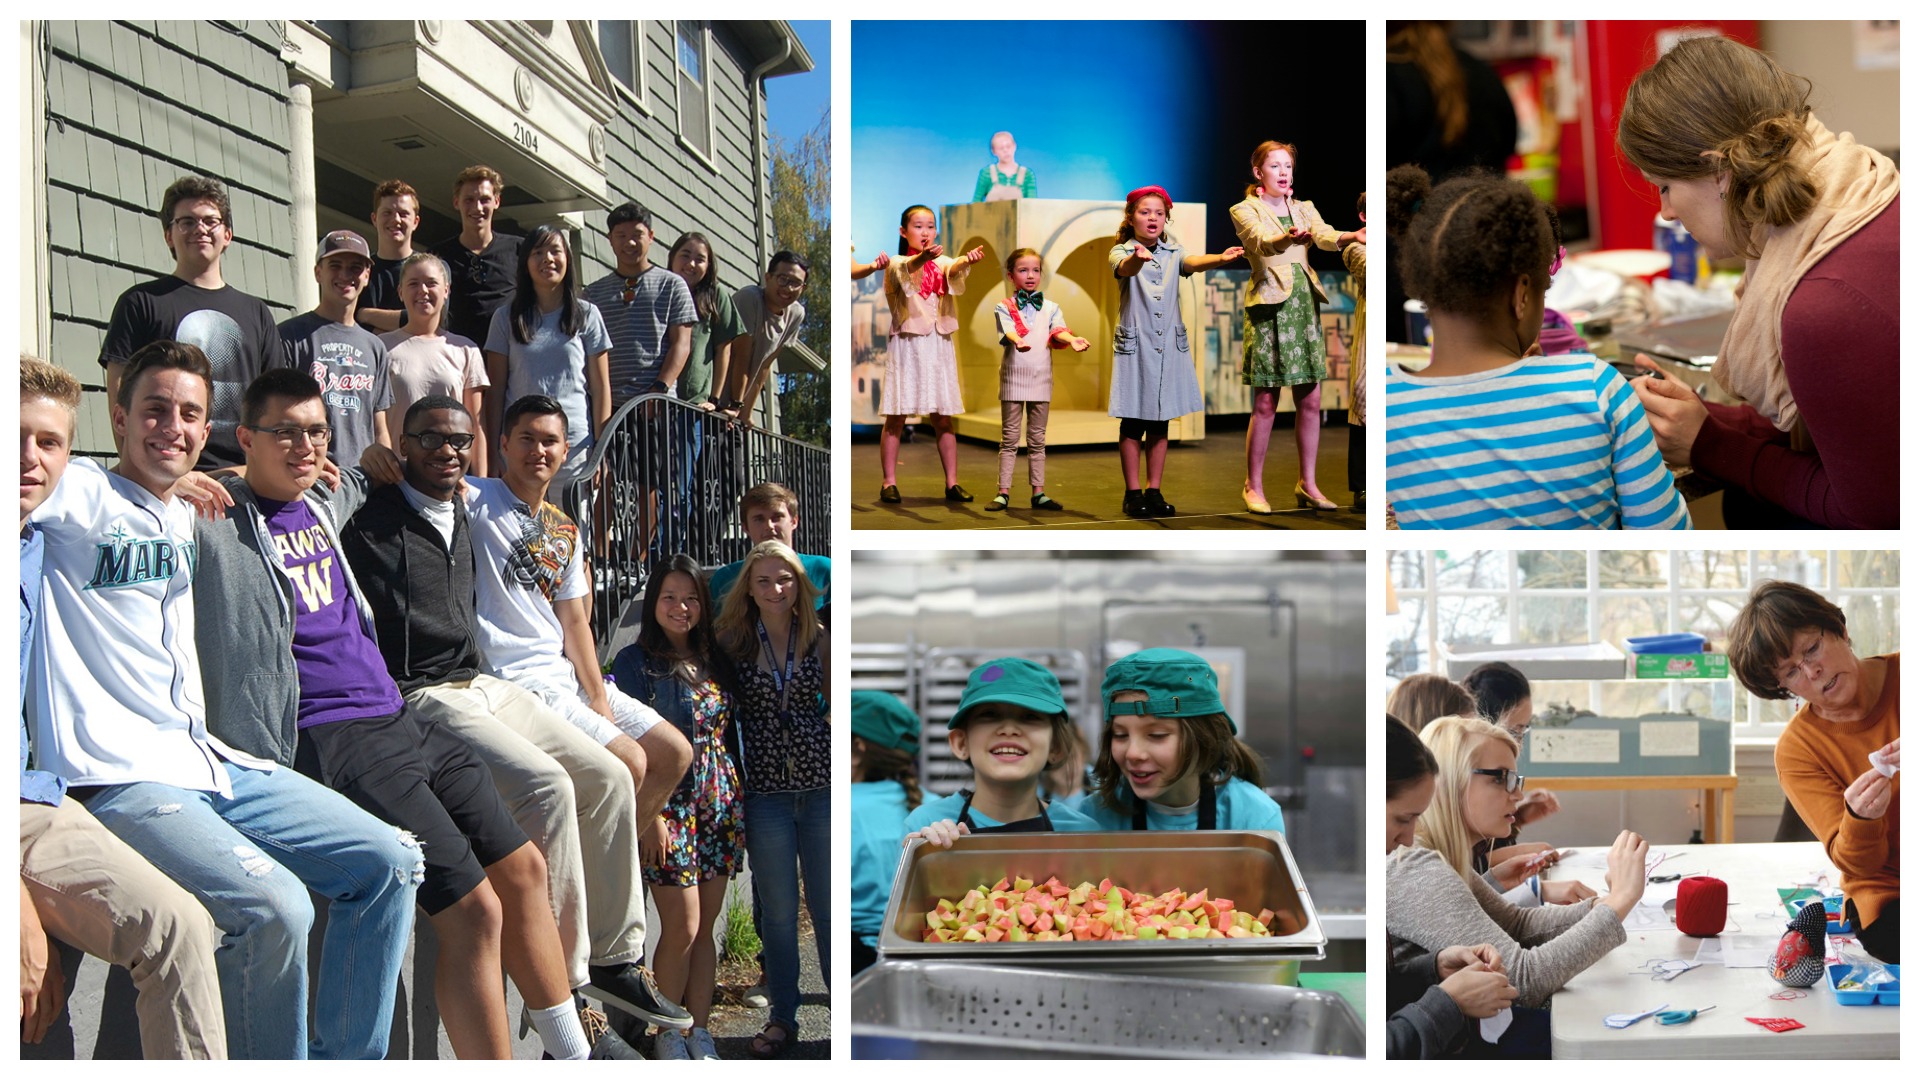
{"x": 768, "y": 1045}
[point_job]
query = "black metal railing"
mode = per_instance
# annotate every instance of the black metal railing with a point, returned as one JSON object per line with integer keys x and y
{"x": 666, "y": 478}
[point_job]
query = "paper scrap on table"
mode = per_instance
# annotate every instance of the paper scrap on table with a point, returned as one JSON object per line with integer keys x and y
{"x": 1736, "y": 951}
{"x": 1496, "y": 1025}
{"x": 1881, "y": 764}
{"x": 1647, "y": 917}
{"x": 1660, "y": 892}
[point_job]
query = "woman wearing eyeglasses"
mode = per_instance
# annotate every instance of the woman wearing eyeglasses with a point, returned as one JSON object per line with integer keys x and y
{"x": 1503, "y": 696}
{"x": 1839, "y": 758}
{"x": 1435, "y": 899}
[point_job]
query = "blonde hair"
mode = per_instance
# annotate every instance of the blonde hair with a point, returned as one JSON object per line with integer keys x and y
{"x": 739, "y": 613}
{"x": 39, "y": 379}
{"x": 1714, "y": 107}
{"x": 1443, "y": 828}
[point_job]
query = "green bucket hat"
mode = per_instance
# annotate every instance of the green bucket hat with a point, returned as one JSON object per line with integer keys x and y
{"x": 1014, "y": 681}
{"x": 1177, "y": 683}
{"x": 884, "y": 720}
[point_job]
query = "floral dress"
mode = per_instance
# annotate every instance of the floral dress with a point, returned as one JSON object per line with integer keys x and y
{"x": 794, "y": 755}
{"x": 706, "y": 814}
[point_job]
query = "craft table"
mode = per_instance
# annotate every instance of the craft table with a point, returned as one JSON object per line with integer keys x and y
{"x": 1618, "y": 982}
{"x": 1716, "y": 795}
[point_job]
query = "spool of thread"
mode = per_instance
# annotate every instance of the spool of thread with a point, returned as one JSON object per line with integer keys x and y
{"x": 1701, "y": 909}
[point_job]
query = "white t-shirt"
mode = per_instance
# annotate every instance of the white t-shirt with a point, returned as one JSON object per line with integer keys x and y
{"x": 525, "y": 559}
{"x": 421, "y": 366}
{"x": 115, "y": 694}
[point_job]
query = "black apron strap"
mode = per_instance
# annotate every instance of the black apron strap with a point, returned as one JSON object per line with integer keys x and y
{"x": 1041, "y": 823}
{"x": 1209, "y": 808}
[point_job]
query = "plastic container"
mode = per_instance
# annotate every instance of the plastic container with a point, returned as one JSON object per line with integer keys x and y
{"x": 1667, "y": 643}
{"x": 1836, "y": 913}
{"x": 1884, "y": 994}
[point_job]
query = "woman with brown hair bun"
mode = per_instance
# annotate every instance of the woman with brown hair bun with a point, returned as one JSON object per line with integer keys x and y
{"x": 1813, "y": 349}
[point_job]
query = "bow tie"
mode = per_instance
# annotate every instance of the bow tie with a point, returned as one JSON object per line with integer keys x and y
{"x": 1028, "y": 298}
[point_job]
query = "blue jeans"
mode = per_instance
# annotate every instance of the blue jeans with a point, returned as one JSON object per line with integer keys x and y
{"x": 250, "y": 860}
{"x": 783, "y": 829}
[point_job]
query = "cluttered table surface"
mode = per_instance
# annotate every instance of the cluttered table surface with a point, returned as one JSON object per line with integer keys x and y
{"x": 1729, "y": 972}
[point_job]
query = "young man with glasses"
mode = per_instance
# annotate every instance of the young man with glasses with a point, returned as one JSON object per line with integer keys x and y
{"x": 118, "y": 710}
{"x": 299, "y": 679}
{"x": 349, "y": 363}
{"x": 412, "y": 550}
{"x": 773, "y": 314}
{"x": 396, "y": 214}
{"x": 484, "y": 262}
{"x": 195, "y": 305}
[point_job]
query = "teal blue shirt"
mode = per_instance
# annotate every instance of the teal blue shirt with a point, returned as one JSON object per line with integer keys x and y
{"x": 1241, "y": 806}
{"x": 879, "y": 824}
{"x": 1065, "y": 819}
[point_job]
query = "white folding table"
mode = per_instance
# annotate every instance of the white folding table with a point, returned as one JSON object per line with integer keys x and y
{"x": 1619, "y": 982}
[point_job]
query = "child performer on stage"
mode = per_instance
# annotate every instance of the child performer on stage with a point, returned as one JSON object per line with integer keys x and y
{"x": 922, "y": 372}
{"x": 1031, "y": 326}
{"x": 1284, "y": 343}
{"x": 1153, "y": 376}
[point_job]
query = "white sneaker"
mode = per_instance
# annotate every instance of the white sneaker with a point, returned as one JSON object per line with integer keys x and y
{"x": 670, "y": 1045}
{"x": 700, "y": 1042}
{"x": 756, "y": 995}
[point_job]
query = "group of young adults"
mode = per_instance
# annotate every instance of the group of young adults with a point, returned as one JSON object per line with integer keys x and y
{"x": 355, "y": 657}
{"x": 1472, "y": 930}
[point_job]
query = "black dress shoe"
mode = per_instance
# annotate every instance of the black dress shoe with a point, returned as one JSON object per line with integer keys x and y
{"x": 1157, "y": 506}
{"x": 1043, "y": 501}
{"x": 890, "y": 493}
{"x": 998, "y": 502}
{"x": 1135, "y": 504}
{"x": 956, "y": 493}
{"x": 631, "y": 988}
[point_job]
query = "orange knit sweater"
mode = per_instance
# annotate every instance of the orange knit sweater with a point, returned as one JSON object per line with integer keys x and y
{"x": 1817, "y": 760}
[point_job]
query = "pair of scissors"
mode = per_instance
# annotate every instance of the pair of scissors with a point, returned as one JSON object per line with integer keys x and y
{"x": 1682, "y": 1016}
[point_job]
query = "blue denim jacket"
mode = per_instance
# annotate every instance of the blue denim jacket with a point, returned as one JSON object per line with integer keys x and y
{"x": 648, "y": 680}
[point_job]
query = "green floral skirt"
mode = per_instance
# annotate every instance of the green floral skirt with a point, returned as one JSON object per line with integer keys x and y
{"x": 1284, "y": 343}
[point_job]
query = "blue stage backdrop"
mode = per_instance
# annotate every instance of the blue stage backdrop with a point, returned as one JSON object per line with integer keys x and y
{"x": 1100, "y": 108}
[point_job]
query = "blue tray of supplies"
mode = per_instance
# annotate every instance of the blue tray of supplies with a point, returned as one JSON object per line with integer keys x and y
{"x": 1667, "y": 643}
{"x": 1883, "y": 994}
{"x": 1836, "y": 913}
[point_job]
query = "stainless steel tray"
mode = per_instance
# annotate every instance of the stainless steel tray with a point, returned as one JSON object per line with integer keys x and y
{"x": 1254, "y": 869}
{"x": 934, "y": 1009}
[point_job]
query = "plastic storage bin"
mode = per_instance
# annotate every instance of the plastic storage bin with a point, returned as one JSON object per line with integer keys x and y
{"x": 1883, "y": 994}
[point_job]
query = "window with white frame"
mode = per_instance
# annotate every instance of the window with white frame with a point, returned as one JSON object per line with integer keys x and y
{"x": 1540, "y": 597}
{"x": 690, "y": 40}
{"x": 623, "y": 45}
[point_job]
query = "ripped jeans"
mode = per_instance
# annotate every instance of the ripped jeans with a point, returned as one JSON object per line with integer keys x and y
{"x": 250, "y": 860}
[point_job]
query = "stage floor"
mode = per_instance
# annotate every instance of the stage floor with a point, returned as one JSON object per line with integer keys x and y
{"x": 1202, "y": 479}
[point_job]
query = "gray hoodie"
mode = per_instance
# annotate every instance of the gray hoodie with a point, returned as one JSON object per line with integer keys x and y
{"x": 244, "y": 613}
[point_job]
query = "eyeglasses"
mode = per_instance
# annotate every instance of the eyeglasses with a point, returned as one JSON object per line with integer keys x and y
{"x": 318, "y": 435}
{"x": 1520, "y": 733}
{"x": 791, "y": 281}
{"x": 433, "y": 440}
{"x": 1506, "y": 778}
{"x": 1791, "y": 670}
{"x": 197, "y": 224}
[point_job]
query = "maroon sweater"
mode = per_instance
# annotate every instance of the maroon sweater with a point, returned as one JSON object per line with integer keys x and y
{"x": 1840, "y": 345}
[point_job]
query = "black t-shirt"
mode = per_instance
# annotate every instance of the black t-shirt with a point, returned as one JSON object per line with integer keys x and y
{"x": 480, "y": 283}
{"x": 235, "y": 330}
{"x": 382, "y": 291}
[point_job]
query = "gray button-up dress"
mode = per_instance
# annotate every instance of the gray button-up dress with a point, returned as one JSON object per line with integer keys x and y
{"x": 1153, "y": 375}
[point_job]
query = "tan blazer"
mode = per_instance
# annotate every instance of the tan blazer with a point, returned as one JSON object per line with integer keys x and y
{"x": 1273, "y": 258}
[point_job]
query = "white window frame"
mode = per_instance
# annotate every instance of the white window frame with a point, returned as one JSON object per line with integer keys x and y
{"x": 1746, "y": 730}
{"x": 638, "y": 92}
{"x": 709, "y": 156}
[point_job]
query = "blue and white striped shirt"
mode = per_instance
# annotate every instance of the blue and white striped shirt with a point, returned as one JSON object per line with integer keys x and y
{"x": 1547, "y": 442}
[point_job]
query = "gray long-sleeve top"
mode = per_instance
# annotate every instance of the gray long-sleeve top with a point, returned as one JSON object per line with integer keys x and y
{"x": 1431, "y": 906}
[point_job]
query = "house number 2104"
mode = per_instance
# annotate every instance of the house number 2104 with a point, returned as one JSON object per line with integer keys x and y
{"x": 526, "y": 137}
